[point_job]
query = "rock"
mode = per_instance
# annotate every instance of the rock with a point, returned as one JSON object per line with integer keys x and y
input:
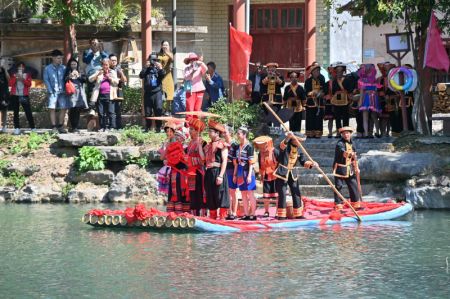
{"x": 444, "y": 181}
{"x": 427, "y": 180}
{"x": 20, "y": 168}
{"x": 386, "y": 166}
{"x": 7, "y": 193}
{"x": 119, "y": 153}
{"x": 87, "y": 192}
{"x": 87, "y": 138}
{"x": 96, "y": 177}
{"x": 429, "y": 197}
{"x": 38, "y": 193}
{"x": 411, "y": 183}
{"x": 152, "y": 154}
{"x": 62, "y": 172}
{"x": 134, "y": 184}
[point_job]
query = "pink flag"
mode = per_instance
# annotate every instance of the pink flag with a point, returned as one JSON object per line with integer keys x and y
{"x": 435, "y": 54}
{"x": 240, "y": 51}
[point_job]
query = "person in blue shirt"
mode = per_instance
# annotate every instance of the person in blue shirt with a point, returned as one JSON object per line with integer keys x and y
{"x": 54, "y": 81}
{"x": 93, "y": 56}
{"x": 213, "y": 84}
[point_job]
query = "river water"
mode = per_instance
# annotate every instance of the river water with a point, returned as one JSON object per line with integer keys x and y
{"x": 46, "y": 252}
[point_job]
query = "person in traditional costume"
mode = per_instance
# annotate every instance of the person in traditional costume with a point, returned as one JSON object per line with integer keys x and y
{"x": 216, "y": 187}
{"x": 328, "y": 114}
{"x": 390, "y": 119}
{"x": 294, "y": 98}
{"x": 196, "y": 170}
{"x": 345, "y": 168}
{"x": 232, "y": 186}
{"x": 173, "y": 155}
{"x": 342, "y": 87}
{"x": 272, "y": 82}
{"x": 289, "y": 157}
{"x": 409, "y": 103}
{"x": 316, "y": 89}
{"x": 267, "y": 165}
{"x": 244, "y": 174}
{"x": 369, "y": 103}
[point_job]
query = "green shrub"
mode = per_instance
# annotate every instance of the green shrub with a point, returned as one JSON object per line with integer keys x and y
{"x": 142, "y": 162}
{"x": 16, "y": 179}
{"x": 137, "y": 136}
{"x": 66, "y": 189}
{"x": 35, "y": 140}
{"x": 3, "y": 165}
{"x": 132, "y": 102}
{"x": 237, "y": 113}
{"x": 90, "y": 158}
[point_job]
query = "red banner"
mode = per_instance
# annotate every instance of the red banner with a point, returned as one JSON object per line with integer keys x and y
{"x": 240, "y": 51}
{"x": 435, "y": 54}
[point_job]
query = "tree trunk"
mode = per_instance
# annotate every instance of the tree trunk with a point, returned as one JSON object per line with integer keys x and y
{"x": 73, "y": 41}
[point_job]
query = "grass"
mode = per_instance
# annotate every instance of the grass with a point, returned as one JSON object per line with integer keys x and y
{"x": 134, "y": 135}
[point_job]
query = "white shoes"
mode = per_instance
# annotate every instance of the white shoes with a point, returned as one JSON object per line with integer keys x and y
{"x": 16, "y": 131}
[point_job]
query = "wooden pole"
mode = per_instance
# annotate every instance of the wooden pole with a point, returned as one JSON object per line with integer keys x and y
{"x": 309, "y": 157}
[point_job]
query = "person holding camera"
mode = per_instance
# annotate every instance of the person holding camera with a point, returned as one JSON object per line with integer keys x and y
{"x": 105, "y": 90}
{"x": 193, "y": 75}
{"x": 4, "y": 95}
{"x": 153, "y": 74}
{"x": 114, "y": 65}
{"x": 20, "y": 83}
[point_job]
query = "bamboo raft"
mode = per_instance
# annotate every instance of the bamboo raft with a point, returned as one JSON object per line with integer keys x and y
{"x": 317, "y": 213}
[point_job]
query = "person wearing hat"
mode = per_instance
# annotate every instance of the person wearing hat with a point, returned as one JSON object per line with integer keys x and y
{"x": 294, "y": 98}
{"x": 267, "y": 165}
{"x": 345, "y": 168}
{"x": 173, "y": 155}
{"x": 54, "y": 82}
{"x": 196, "y": 171}
{"x": 388, "y": 99}
{"x": 342, "y": 87}
{"x": 273, "y": 82}
{"x": 289, "y": 157}
{"x": 328, "y": 113}
{"x": 316, "y": 89}
{"x": 369, "y": 104}
{"x": 244, "y": 174}
{"x": 409, "y": 103}
{"x": 193, "y": 78}
{"x": 216, "y": 186}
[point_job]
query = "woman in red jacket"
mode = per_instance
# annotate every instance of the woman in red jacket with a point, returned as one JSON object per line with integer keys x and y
{"x": 20, "y": 83}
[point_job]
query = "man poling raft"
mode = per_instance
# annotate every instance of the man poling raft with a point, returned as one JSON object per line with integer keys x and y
{"x": 287, "y": 173}
{"x": 346, "y": 170}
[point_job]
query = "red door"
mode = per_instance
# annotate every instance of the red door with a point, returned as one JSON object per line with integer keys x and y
{"x": 278, "y": 33}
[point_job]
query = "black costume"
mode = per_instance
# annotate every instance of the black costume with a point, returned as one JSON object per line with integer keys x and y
{"x": 294, "y": 98}
{"x": 289, "y": 156}
{"x": 344, "y": 170}
{"x": 315, "y": 90}
{"x": 342, "y": 90}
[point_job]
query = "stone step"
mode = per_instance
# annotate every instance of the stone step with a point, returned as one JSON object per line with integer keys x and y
{"x": 362, "y": 148}
{"x": 356, "y": 140}
{"x": 314, "y": 191}
{"x": 120, "y": 153}
{"x": 314, "y": 179}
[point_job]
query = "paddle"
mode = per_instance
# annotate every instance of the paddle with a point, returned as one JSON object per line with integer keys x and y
{"x": 320, "y": 170}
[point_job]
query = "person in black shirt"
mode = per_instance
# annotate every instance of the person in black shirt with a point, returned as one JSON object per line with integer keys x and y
{"x": 152, "y": 73}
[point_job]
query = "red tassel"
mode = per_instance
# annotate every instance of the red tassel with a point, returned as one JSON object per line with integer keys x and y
{"x": 335, "y": 215}
{"x": 223, "y": 213}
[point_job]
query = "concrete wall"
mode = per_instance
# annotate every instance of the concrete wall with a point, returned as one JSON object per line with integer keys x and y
{"x": 345, "y": 41}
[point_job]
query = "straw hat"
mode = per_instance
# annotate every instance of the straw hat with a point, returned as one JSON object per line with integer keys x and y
{"x": 272, "y": 64}
{"x": 293, "y": 72}
{"x": 216, "y": 126}
{"x": 339, "y": 64}
{"x": 312, "y": 67}
{"x": 344, "y": 129}
{"x": 190, "y": 57}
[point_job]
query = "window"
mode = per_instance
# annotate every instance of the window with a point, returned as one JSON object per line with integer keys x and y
{"x": 270, "y": 17}
{"x": 299, "y": 18}
{"x": 274, "y": 18}
{"x": 260, "y": 18}
{"x": 291, "y": 22}
{"x": 283, "y": 18}
{"x": 267, "y": 18}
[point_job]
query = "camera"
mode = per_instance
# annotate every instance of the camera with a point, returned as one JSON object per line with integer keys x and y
{"x": 153, "y": 58}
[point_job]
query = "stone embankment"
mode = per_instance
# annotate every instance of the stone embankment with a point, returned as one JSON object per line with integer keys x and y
{"x": 420, "y": 177}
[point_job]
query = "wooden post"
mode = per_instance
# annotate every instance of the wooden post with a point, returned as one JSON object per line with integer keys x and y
{"x": 146, "y": 36}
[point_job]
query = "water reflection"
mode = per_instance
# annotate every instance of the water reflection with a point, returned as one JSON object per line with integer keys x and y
{"x": 47, "y": 252}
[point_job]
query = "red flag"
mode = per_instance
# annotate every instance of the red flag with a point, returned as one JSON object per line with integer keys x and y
{"x": 435, "y": 55}
{"x": 240, "y": 51}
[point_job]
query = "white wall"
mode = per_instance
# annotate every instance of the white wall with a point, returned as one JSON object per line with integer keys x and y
{"x": 345, "y": 42}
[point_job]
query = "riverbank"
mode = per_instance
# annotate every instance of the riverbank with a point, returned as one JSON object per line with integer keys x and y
{"x": 44, "y": 168}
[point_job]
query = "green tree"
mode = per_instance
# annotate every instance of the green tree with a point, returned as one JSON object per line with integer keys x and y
{"x": 416, "y": 16}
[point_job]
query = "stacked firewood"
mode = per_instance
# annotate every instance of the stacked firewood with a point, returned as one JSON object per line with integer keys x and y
{"x": 441, "y": 98}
